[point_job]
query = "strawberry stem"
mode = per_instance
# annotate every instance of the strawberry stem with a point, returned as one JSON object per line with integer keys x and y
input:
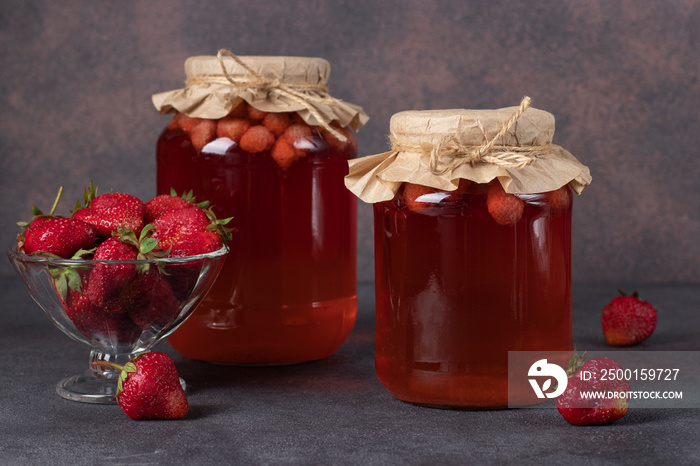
{"x": 58, "y": 198}
{"x": 107, "y": 364}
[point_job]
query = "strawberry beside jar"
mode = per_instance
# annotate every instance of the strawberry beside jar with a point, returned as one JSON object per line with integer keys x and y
{"x": 261, "y": 139}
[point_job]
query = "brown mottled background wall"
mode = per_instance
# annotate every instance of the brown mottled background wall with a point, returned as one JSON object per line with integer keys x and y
{"x": 620, "y": 76}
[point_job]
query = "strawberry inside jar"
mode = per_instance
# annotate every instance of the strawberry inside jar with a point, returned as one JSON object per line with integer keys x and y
{"x": 287, "y": 291}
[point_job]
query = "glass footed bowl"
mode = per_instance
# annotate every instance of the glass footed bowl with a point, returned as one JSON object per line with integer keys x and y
{"x": 118, "y": 308}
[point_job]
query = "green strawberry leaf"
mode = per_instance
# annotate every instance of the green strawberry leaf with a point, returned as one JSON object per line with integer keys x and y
{"x": 173, "y": 192}
{"x": 146, "y": 231}
{"x": 61, "y": 285}
{"x": 128, "y": 368}
{"x": 73, "y": 277}
{"x": 148, "y": 244}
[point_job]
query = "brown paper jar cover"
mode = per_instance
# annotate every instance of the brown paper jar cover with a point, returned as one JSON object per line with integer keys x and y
{"x": 210, "y": 94}
{"x": 451, "y": 137}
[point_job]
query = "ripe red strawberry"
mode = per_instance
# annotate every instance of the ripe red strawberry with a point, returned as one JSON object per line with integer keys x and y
{"x": 189, "y": 231}
{"x": 505, "y": 208}
{"x": 155, "y": 303}
{"x": 109, "y": 212}
{"x": 581, "y": 411}
{"x": 627, "y": 320}
{"x": 111, "y": 284}
{"x": 149, "y": 388}
{"x": 110, "y": 329}
{"x": 59, "y": 236}
{"x": 62, "y": 237}
{"x": 108, "y": 280}
{"x": 166, "y": 202}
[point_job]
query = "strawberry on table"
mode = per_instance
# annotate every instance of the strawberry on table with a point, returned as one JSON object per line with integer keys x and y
{"x": 109, "y": 212}
{"x": 149, "y": 388}
{"x": 627, "y": 320}
{"x": 580, "y": 411}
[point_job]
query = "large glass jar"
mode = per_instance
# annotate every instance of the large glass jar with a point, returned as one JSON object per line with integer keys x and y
{"x": 287, "y": 291}
{"x": 464, "y": 270}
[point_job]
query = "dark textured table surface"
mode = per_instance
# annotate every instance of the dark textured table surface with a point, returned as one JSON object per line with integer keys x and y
{"x": 333, "y": 411}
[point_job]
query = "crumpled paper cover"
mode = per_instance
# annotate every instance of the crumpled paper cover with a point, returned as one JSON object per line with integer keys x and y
{"x": 215, "y": 99}
{"x": 377, "y": 178}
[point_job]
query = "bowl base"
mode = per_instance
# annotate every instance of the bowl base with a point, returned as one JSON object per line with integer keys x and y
{"x": 89, "y": 388}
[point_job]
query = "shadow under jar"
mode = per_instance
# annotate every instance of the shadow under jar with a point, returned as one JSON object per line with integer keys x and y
{"x": 287, "y": 291}
{"x": 466, "y": 271}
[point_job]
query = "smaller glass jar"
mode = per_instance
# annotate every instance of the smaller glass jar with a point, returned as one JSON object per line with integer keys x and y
{"x": 464, "y": 270}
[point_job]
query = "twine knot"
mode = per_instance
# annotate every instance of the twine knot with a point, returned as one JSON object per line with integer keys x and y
{"x": 304, "y": 94}
{"x": 452, "y": 148}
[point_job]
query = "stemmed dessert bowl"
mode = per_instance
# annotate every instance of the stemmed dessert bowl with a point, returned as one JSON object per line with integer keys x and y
{"x": 119, "y": 308}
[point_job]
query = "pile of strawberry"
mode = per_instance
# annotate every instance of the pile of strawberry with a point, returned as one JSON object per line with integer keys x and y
{"x": 505, "y": 208}
{"x": 114, "y": 303}
{"x": 286, "y": 136}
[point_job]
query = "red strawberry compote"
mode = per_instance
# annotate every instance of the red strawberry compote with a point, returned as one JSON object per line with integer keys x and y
{"x": 287, "y": 291}
{"x": 472, "y": 250}
{"x": 456, "y": 290}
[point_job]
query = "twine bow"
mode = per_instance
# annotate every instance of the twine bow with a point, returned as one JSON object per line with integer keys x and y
{"x": 301, "y": 93}
{"x": 459, "y": 154}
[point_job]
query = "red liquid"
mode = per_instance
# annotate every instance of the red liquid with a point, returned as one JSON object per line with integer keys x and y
{"x": 287, "y": 291}
{"x": 455, "y": 291}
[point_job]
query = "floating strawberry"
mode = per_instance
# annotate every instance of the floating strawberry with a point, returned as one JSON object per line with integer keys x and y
{"x": 149, "y": 388}
{"x": 109, "y": 212}
{"x": 505, "y": 208}
{"x": 57, "y": 236}
{"x": 628, "y": 320}
{"x": 277, "y": 123}
{"x": 203, "y": 133}
{"x": 418, "y": 197}
{"x": 232, "y": 128}
{"x": 257, "y": 139}
{"x": 559, "y": 199}
{"x": 166, "y": 202}
{"x": 579, "y": 410}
